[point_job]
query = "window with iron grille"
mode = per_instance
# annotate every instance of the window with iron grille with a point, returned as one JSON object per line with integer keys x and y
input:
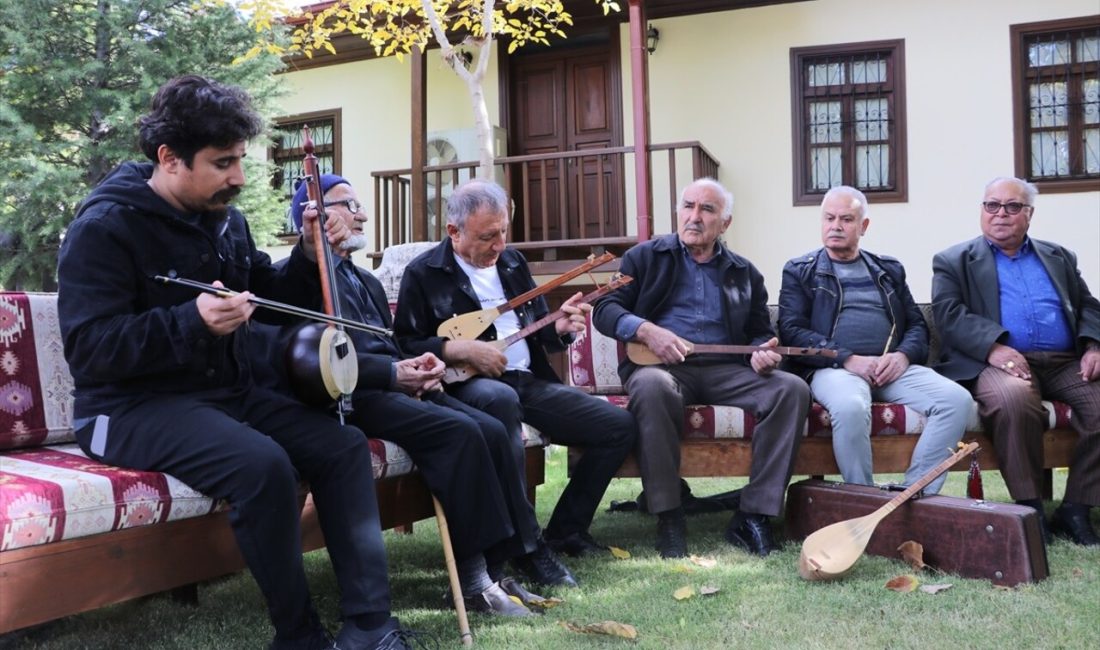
{"x": 287, "y": 152}
{"x": 1056, "y": 93}
{"x": 848, "y": 104}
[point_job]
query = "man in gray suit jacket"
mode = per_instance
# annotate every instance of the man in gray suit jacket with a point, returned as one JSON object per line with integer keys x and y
{"x": 1019, "y": 325}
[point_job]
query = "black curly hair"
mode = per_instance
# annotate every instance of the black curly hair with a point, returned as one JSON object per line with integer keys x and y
{"x": 191, "y": 112}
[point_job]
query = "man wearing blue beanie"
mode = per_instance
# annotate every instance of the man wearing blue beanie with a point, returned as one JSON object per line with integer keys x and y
{"x": 463, "y": 454}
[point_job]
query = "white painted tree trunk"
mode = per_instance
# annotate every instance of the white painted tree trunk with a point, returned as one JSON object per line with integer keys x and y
{"x": 473, "y": 78}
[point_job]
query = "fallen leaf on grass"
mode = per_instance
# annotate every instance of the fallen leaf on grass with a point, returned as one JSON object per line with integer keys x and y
{"x": 620, "y": 553}
{"x": 707, "y": 590}
{"x": 935, "y": 589}
{"x": 610, "y": 628}
{"x": 902, "y": 584}
{"x": 913, "y": 554}
{"x": 1077, "y": 573}
{"x": 516, "y": 600}
{"x": 683, "y": 593}
{"x": 705, "y": 562}
{"x": 545, "y": 603}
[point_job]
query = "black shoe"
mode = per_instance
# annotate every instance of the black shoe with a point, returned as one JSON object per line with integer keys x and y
{"x": 752, "y": 533}
{"x": 495, "y": 600}
{"x": 1072, "y": 522}
{"x": 576, "y": 545}
{"x": 541, "y": 566}
{"x": 672, "y": 534}
{"x": 390, "y": 636}
{"x": 319, "y": 640}
{"x": 512, "y": 587}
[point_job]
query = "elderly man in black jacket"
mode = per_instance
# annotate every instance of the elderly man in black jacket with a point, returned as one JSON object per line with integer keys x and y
{"x": 847, "y": 299}
{"x": 689, "y": 286}
{"x": 1019, "y": 325}
{"x": 473, "y": 269}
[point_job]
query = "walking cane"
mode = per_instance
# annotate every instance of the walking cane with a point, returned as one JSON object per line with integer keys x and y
{"x": 452, "y": 573}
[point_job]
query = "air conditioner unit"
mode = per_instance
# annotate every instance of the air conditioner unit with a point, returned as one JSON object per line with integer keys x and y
{"x": 452, "y": 146}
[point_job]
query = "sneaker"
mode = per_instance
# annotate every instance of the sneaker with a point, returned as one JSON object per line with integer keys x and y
{"x": 543, "y": 567}
{"x": 390, "y": 636}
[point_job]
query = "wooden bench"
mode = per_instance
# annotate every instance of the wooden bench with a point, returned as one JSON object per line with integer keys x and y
{"x": 76, "y": 535}
{"x": 717, "y": 439}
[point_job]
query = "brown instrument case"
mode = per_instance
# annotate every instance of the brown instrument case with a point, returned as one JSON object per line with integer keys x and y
{"x": 1000, "y": 542}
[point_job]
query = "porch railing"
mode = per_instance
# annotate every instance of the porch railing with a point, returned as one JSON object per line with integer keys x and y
{"x": 573, "y": 199}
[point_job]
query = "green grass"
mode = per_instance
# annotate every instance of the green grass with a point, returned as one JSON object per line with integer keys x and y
{"x": 762, "y": 603}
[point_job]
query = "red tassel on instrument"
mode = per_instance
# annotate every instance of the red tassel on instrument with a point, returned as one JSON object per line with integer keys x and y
{"x": 974, "y": 479}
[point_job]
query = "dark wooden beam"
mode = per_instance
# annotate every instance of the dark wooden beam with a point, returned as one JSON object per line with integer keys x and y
{"x": 418, "y": 208}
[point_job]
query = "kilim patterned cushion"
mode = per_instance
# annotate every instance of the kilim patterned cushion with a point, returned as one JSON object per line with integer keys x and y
{"x": 594, "y": 359}
{"x": 49, "y": 489}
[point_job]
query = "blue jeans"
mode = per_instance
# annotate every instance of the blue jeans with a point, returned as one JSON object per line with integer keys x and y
{"x": 848, "y": 398}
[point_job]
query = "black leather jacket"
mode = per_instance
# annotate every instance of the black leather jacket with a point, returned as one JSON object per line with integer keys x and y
{"x": 809, "y": 304}
{"x": 434, "y": 288}
{"x": 655, "y": 265}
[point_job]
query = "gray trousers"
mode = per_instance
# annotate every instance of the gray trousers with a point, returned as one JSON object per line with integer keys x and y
{"x": 848, "y": 396}
{"x": 780, "y": 402}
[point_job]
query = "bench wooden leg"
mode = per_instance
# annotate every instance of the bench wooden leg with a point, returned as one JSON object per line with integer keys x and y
{"x": 1048, "y": 484}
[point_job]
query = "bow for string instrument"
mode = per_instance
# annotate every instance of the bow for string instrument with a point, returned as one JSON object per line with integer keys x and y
{"x": 321, "y": 359}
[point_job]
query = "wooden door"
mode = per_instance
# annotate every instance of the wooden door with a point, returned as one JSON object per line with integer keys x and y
{"x": 567, "y": 100}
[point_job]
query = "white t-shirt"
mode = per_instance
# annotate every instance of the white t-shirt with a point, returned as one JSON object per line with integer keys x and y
{"x": 486, "y": 285}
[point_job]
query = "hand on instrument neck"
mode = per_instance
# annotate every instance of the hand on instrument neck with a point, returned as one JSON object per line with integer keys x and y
{"x": 336, "y": 231}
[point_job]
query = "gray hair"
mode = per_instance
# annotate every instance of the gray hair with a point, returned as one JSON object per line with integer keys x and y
{"x": 727, "y": 196}
{"x": 474, "y": 195}
{"x": 1030, "y": 190}
{"x": 851, "y": 192}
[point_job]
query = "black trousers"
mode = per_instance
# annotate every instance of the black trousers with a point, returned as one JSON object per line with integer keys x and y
{"x": 250, "y": 447}
{"x": 566, "y": 416}
{"x": 465, "y": 457}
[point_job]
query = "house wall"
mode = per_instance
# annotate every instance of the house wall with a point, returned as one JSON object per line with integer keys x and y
{"x": 723, "y": 79}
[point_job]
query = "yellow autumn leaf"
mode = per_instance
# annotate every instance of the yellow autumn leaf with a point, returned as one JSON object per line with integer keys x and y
{"x": 515, "y": 599}
{"x": 913, "y": 554}
{"x": 705, "y": 562}
{"x": 620, "y": 553}
{"x": 545, "y": 603}
{"x": 708, "y": 590}
{"x": 683, "y": 593}
{"x": 611, "y": 628}
{"x": 903, "y": 584}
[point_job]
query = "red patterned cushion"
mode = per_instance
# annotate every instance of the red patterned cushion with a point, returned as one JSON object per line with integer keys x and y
{"x": 57, "y": 493}
{"x": 35, "y": 386}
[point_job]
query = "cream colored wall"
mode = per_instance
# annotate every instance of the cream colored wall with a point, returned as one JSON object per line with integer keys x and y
{"x": 375, "y": 127}
{"x": 723, "y": 79}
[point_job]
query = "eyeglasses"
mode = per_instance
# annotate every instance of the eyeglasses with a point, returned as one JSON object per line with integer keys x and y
{"x": 1013, "y": 207}
{"x": 352, "y": 205}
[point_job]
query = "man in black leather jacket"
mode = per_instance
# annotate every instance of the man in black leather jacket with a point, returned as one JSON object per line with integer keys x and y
{"x": 163, "y": 381}
{"x": 841, "y": 297}
{"x": 473, "y": 269}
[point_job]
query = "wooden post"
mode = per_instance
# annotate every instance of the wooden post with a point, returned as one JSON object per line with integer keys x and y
{"x": 418, "y": 186}
{"x": 639, "y": 75}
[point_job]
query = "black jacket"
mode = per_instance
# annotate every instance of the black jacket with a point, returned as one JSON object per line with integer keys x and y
{"x": 655, "y": 265}
{"x": 127, "y": 336}
{"x": 809, "y": 304}
{"x": 434, "y": 288}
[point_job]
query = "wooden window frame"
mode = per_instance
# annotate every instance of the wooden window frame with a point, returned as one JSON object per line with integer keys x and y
{"x": 894, "y": 55}
{"x": 1019, "y": 35}
{"x": 334, "y": 115}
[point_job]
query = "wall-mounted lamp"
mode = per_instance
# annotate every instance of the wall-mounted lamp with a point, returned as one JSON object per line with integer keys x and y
{"x": 651, "y": 38}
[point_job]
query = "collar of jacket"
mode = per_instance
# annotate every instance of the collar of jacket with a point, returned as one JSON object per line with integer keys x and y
{"x": 671, "y": 244}
{"x": 824, "y": 264}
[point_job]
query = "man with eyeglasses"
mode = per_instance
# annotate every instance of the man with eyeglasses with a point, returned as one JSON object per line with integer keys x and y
{"x": 1019, "y": 325}
{"x": 464, "y": 455}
